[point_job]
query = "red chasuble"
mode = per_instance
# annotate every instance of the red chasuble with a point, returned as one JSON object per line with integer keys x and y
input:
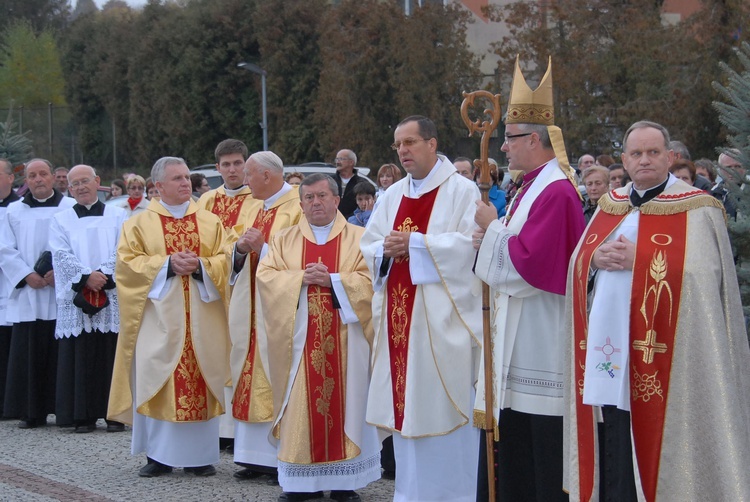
{"x": 413, "y": 216}
{"x": 655, "y": 300}
{"x": 323, "y": 360}
{"x": 241, "y": 402}
{"x": 191, "y": 398}
{"x": 228, "y": 208}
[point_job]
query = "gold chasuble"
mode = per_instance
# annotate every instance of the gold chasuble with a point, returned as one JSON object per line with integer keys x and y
{"x": 232, "y": 211}
{"x": 684, "y": 349}
{"x": 252, "y": 401}
{"x": 175, "y": 344}
{"x": 309, "y": 398}
{"x": 413, "y": 216}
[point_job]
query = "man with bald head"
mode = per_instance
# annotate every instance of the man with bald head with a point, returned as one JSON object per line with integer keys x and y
{"x": 83, "y": 240}
{"x": 26, "y": 262}
{"x": 252, "y": 405}
{"x": 346, "y": 178}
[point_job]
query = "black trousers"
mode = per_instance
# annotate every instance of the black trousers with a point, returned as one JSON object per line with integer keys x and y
{"x": 32, "y": 370}
{"x": 528, "y": 457}
{"x": 616, "y": 474}
{"x": 84, "y": 375}
{"x": 5, "y": 334}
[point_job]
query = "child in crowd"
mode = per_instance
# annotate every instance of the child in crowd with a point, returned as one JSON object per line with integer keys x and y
{"x": 365, "y": 196}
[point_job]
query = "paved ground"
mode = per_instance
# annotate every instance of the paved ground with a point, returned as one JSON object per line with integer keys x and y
{"x": 49, "y": 463}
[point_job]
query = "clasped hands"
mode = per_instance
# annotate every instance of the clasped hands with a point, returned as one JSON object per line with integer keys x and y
{"x": 36, "y": 281}
{"x": 185, "y": 262}
{"x": 615, "y": 255}
{"x": 251, "y": 240}
{"x": 316, "y": 274}
{"x": 396, "y": 244}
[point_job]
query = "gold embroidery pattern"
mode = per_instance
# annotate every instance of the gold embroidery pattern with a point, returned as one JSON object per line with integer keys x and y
{"x": 192, "y": 404}
{"x": 658, "y": 271}
{"x": 227, "y": 209}
{"x": 646, "y": 386}
{"x": 324, "y": 344}
{"x": 407, "y": 226}
{"x": 400, "y": 384}
{"x": 580, "y": 382}
{"x": 399, "y": 316}
{"x": 181, "y": 235}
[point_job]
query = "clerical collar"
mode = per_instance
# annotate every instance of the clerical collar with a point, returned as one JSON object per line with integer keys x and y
{"x": 51, "y": 201}
{"x": 415, "y": 185}
{"x": 177, "y": 211}
{"x": 527, "y": 178}
{"x": 640, "y": 197}
{"x": 286, "y": 187}
{"x": 95, "y": 209}
{"x": 12, "y": 197}
{"x": 321, "y": 233}
{"x": 231, "y": 192}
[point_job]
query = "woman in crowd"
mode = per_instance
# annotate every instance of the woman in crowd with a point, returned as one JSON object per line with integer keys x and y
{"x": 116, "y": 189}
{"x": 151, "y": 190}
{"x": 294, "y": 178}
{"x": 200, "y": 184}
{"x": 136, "y": 201}
{"x": 388, "y": 174}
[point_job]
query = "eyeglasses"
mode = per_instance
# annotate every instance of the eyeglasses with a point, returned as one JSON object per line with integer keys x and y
{"x": 521, "y": 135}
{"x": 342, "y": 159}
{"x": 408, "y": 143}
{"x": 84, "y": 181}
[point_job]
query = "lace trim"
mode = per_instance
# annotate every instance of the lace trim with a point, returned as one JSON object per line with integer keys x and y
{"x": 68, "y": 271}
{"x": 71, "y": 321}
{"x": 347, "y": 468}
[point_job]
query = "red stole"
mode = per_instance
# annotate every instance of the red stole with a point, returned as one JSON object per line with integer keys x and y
{"x": 413, "y": 216}
{"x": 241, "y": 401}
{"x": 227, "y": 208}
{"x": 655, "y": 300}
{"x": 323, "y": 360}
{"x": 191, "y": 395}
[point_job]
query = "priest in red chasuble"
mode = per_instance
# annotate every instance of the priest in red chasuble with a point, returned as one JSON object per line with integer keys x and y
{"x": 427, "y": 320}
{"x": 277, "y": 207}
{"x": 657, "y": 350}
{"x": 172, "y": 353}
{"x": 315, "y": 294}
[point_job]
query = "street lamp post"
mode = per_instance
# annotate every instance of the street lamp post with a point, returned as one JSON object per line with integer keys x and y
{"x": 260, "y": 71}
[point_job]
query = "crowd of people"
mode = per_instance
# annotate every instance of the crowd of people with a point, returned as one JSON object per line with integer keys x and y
{"x": 331, "y": 331}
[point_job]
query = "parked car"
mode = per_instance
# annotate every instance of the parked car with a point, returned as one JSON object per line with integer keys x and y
{"x": 214, "y": 177}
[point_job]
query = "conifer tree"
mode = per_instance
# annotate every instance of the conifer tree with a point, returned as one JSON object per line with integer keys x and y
{"x": 734, "y": 113}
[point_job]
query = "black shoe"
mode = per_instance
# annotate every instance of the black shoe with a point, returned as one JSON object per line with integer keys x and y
{"x": 203, "y": 471}
{"x": 388, "y": 474}
{"x": 32, "y": 423}
{"x": 115, "y": 427}
{"x": 273, "y": 480}
{"x": 247, "y": 473}
{"x": 299, "y": 496}
{"x": 345, "y": 496}
{"x": 85, "y": 428}
{"x": 153, "y": 469}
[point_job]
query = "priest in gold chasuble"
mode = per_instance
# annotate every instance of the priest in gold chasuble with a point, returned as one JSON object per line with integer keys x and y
{"x": 277, "y": 207}
{"x": 657, "y": 377}
{"x": 427, "y": 320}
{"x": 172, "y": 353}
{"x": 232, "y": 202}
{"x": 315, "y": 295}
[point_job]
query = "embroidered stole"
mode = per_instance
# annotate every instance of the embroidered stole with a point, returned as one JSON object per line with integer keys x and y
{"x": 413, "y": 216}
{"x": 241, "y": 401}
{"x": 655, "y": 300}
{"x": 190, "y": 392}
{"x": 228, "y": 208}
{"x": 323, "y": 361}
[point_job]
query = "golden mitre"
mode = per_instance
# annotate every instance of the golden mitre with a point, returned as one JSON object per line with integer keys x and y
{"x": 537, "y": 107}
{"x": 531, "y": 107}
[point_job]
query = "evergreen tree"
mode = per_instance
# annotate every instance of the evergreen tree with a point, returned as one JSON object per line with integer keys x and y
{"x": 734, "y": 113}
{"x": 16, "y": 147}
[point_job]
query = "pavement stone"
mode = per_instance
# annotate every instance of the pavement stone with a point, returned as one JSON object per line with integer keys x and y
{"x": 55, "y": 464}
